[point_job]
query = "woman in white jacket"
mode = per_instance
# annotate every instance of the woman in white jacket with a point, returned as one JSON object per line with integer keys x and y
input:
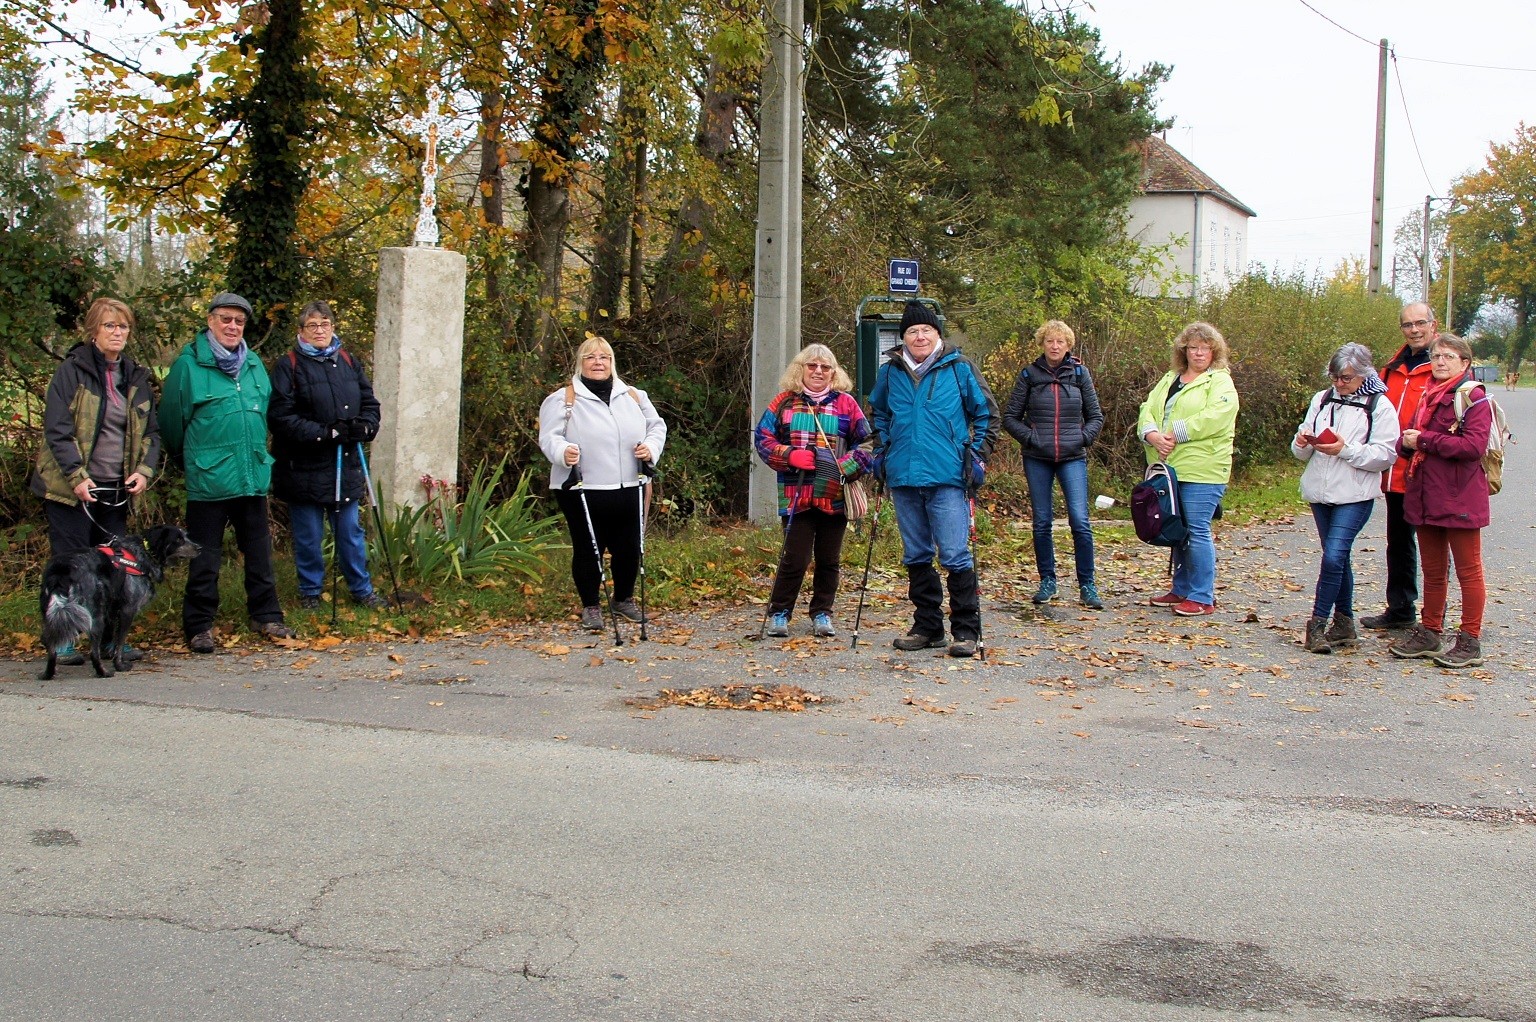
{"x": 601, "y": 436}
{"x": 1348, "y": 438}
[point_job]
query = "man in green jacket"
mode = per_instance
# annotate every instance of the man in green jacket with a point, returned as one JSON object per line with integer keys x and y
{"x": 213, "y": 417}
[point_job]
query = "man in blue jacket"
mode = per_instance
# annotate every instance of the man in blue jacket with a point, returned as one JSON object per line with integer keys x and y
{"x": 937, "y": 422}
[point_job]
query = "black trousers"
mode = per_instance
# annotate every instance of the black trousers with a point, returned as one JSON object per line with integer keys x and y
{"x": 1402, "y": 561}
{"x": 812, "y": 533}
{"x": 71, "y": 529}
{"x": 616, "y": 522}
{"x": 206, "y": 522}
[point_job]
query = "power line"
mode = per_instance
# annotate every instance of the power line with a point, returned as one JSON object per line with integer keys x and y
{"x": 1425, "y": 60}
{"x": 1403, "y": 97}
{"x": 1335, "y": 24}
{"x": 1480, "y": 67}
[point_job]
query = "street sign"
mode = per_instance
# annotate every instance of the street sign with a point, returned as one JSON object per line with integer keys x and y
{"x": 904, "y": 276}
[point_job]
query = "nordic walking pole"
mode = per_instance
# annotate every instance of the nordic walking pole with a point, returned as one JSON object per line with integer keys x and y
{"x": 874, "y": 525}
{"x": 336, "y": 541}
{"x": 574, "y": 479}
{"x": 971, "y": 489}
{"x": 762, "y": 628}
{"x": 647, "y": 472}
{"x": 378, "y": 523}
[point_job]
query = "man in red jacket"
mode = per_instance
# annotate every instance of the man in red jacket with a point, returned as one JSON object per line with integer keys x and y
{"x": 1405, "y": 375}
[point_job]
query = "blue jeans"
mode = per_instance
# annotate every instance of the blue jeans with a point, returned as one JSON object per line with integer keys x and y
{"x": 1074, "y": 490}
{"x": 1194, "y": 564}
{"x": 933, "y": 518}
{"x": 308, "y": 524}
{"x": 1337, "y": 527}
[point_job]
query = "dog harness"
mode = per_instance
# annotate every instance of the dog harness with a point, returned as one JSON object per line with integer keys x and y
{"x": 122, "y": 557}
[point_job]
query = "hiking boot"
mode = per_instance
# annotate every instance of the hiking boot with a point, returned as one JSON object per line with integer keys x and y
{"x": 592, "y": 619}
{"x": 1342, "y": 632}
{"x": 1088, "y": 596}
{"x": 629, "y": 610}
{"x": 1419, "y": 642}
{"x": 778, "y": 625}
{"x": 1047, "y": 591}
{"x": 1168, "y": 599}
{"x": 1192, "y": 608}
{"x": 202, "y": 642}
{"x": 913, "y": 641}
{"x": 273, "y": 630}
{"x": 1467, "y": 652}
{"x": 309, "y": 602}
{"x": 1316, "y": 640}
{"x": 373, "y": 601}
{"x": 130, "y": 655}
{"x": 821, "y": 626}
{"x": 1387, "y": 621}
{"x": 69, "y": 656}
{"x": 962, "y": 648}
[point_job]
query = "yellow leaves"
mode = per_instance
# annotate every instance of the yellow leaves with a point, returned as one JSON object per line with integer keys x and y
{"x": 784, "y": 698}
{"x": 553, "y": 649}
{"x": 1298, "y": 708}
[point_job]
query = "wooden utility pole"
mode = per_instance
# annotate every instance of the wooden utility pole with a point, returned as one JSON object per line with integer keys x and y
{"x": 1424, "y": 259}
{"x": 1378, "y": 193}
{"x": 776, "y": 304}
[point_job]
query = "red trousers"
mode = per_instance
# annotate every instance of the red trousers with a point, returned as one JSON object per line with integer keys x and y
{"x": 1437, "y": 545}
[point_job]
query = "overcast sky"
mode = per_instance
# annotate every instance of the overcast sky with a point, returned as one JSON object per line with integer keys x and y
{"x": 1279, "y": 106}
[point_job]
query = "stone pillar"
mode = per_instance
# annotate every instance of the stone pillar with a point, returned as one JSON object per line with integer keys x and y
{"x": 418, "y": 356}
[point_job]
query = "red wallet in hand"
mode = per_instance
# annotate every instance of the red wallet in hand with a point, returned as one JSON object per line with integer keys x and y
{"x": 1327, "y": 436}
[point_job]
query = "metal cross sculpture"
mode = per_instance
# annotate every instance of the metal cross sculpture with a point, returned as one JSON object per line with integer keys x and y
{"x": 430, "y": 128}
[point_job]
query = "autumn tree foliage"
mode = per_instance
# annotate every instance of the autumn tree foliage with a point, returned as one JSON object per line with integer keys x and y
{"x": 612, "y": 184}
{"x": 1495, "y": 231}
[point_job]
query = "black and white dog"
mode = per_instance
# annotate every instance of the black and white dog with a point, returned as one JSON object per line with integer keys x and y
{"x": 101, "y": 590}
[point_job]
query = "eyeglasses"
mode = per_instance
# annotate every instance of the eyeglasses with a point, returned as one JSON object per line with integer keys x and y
{"x": 596, "y": 356}
{"x": 818, "y": 367}
{"x": 1346, "y": 380}
{"x": 318, "y": 324}
{"x": 226, "y": 319}
{"x": 1446, "y": 356}
{"x": 1198, "y": 349}
{"x": 1415, "y": 324}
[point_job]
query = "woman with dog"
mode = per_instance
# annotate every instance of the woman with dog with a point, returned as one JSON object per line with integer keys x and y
{"x": 1347, "y": 439}
{"x": 101, "y": 439}
{"x": 601, "y": 437}
{"x": 1189, "y": 422}
{"x": 322, "y": 411}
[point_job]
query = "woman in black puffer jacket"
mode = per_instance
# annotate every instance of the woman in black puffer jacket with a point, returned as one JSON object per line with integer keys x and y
{"x": 322, "y": 404}
{"x": 1054, "y": 414}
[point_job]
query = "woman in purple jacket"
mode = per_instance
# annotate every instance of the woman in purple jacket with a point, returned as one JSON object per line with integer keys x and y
{"x": 1447, "y": 501}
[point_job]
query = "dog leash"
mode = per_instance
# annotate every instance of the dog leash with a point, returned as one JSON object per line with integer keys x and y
{"x": 113, "y": 538}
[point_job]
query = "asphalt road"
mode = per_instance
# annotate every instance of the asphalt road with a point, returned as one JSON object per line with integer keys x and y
{"x": 1119, "y": 816}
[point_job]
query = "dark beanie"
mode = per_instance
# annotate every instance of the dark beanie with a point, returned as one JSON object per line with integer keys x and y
{"x": 915, "y": 313}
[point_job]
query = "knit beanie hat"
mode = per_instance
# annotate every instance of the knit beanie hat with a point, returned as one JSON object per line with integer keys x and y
{"x": 916, "y": 313}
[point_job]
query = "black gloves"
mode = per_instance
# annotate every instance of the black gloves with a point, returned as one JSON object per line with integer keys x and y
{"x": 352, "y": 431}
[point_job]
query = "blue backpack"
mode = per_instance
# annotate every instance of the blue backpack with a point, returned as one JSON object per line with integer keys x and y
{"x": 1155, "y": 508}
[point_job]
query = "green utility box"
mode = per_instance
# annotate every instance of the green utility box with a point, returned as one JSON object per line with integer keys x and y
{"x": 876, "y": 324}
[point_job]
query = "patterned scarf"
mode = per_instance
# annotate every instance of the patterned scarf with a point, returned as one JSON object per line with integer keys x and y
{"x": 229, "y": 362}
{"x": 1433, "y": 394}
{"x": 314, "y": 352}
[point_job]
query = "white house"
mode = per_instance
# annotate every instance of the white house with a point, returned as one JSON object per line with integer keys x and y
{"x": 1205, "y": 226}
